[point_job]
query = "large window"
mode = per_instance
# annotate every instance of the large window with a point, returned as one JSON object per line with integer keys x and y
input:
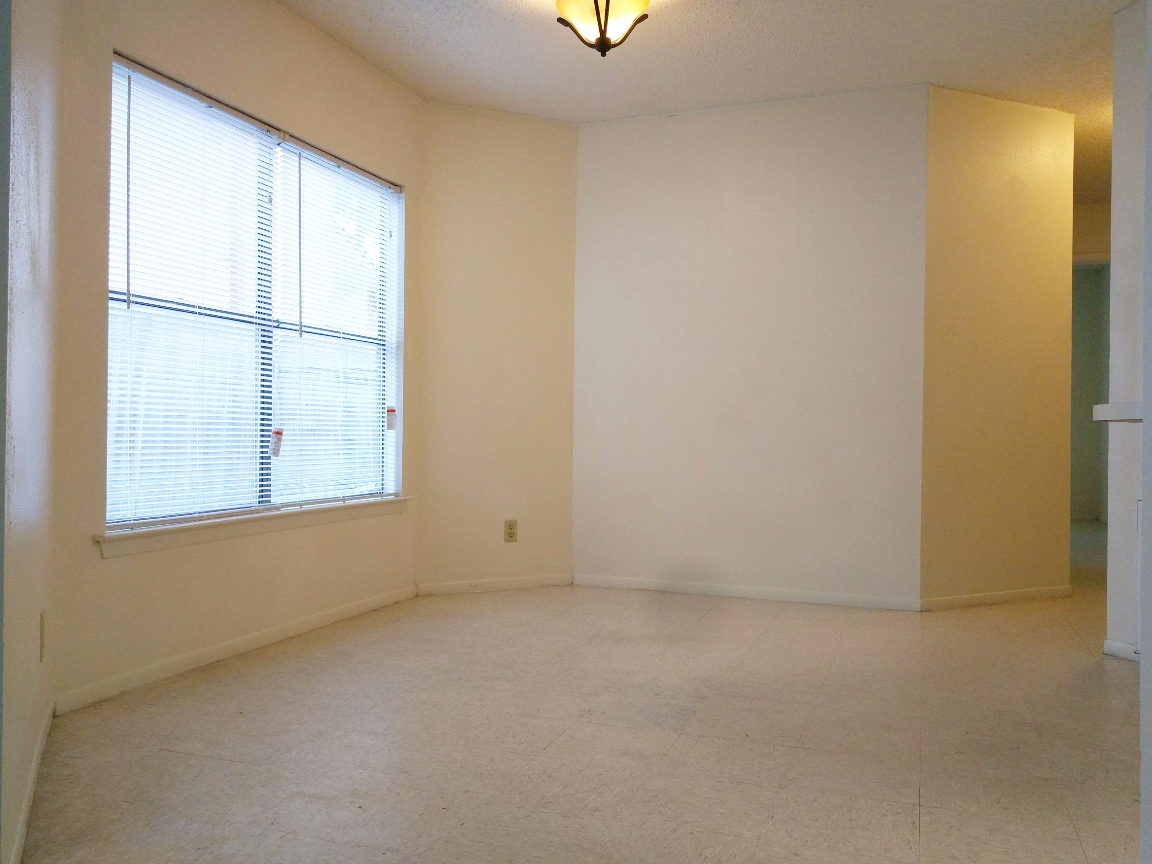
{"x": 254, "y": 297}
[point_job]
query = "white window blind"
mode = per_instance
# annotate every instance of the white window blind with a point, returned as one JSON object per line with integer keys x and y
{"x": 254, "y": 285}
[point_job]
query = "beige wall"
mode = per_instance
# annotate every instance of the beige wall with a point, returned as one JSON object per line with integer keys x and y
{"x": 997, "y": 348}
{"x": 491, "y": 327}
{"x": 27, "y": 683}
{"x": 749, "y": 345}
{"x": 116, "y": 622}
{"x": 744, "y": 415}
{"x": 495, "y": 350}
{"x": 1130, "y": 76}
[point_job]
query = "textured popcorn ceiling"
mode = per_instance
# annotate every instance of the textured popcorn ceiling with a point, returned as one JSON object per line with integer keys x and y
{"x": 513, "y": 56}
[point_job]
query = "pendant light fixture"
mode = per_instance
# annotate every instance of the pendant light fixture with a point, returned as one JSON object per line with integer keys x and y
{"x": 601, "y": 24}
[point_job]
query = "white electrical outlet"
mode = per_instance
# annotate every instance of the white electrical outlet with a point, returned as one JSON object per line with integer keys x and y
{"x": 510, "y": 530}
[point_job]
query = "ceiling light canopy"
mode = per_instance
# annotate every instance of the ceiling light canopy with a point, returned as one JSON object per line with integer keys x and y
{"x": 601, "y": 24}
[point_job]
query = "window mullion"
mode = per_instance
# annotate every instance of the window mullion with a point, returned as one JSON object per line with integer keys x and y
{"x": 383, "y": 239}
{"x": 264, "y": 327}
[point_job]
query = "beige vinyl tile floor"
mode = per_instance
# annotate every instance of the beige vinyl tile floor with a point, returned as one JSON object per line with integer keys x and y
{"x": 602, "y": 726}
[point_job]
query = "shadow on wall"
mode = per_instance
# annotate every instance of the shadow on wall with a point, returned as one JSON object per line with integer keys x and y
{"x": 1089, "y": 387}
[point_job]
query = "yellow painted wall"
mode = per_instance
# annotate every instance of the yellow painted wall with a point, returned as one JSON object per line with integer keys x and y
{"x": 997, "y": 354}
{"x": 488, "y": 328}
{"x": 493, "y": 341}
{"x": 28, "y": 505}
{"x": 488, "y": 316}
{"x": 118, "y": 622}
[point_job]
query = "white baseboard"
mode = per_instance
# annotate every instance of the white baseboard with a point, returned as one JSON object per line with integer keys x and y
{"x": 474, "y": 586}
{"x": 98, "y": 690}
{"x": 30, "y": 789}
{"x": 939, "y": 604}
{"x": 1121, "y": 649}
{"x": 754, "y": 592}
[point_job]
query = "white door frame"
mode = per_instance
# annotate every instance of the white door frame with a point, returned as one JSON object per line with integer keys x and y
{"x": 1145, "y": 586}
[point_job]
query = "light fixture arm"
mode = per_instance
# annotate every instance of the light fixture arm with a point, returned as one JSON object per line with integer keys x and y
{"x": 602, "y": 44}
{"x": 635, "y": 24}
{"x": 579, "y": 36}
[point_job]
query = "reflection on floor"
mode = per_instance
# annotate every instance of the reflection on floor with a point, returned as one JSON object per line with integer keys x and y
{"x": 583, "y": 725}
{"x": 1089, "y": 603}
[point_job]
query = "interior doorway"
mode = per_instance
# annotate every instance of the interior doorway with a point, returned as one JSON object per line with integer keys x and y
{"x": 1089, "y": 468}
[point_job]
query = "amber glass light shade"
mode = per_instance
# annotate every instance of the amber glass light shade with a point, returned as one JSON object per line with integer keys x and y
{"x": 602, "y": 24}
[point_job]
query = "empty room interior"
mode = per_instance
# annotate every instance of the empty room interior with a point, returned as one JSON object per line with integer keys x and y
{"x": 575, "y": 431}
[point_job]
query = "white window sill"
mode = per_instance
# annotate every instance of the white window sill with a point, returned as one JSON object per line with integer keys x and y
{"x": 132, "y": 541}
